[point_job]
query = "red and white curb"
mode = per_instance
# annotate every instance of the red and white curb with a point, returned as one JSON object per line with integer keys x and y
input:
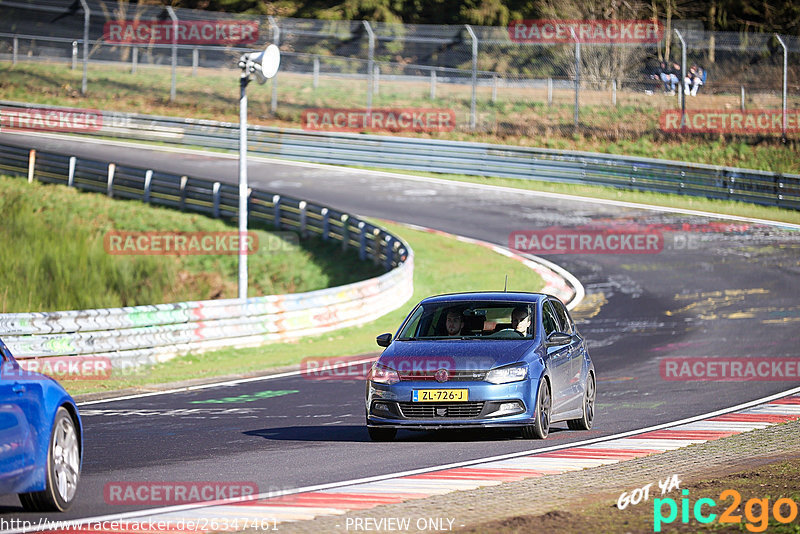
{"x": 337, "y": 499}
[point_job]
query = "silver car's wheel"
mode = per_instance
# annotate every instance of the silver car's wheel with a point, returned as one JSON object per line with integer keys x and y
{"x": 586, "y": 420}
{"x": 541, "y": 424}
{"x": 63, "y": 468}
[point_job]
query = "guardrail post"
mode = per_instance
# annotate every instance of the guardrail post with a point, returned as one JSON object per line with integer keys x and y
{"x": 276, "y": 211}
{"x": 376, "y": 246}
{"x": 14, "y": 50}
{"x": 614, "y": 93}
{"x": 549, "y": 91}
{"x": 276, "y": 40}
{"x": 494, "y": 88}
{"x": 215, "y": 194}
{"x": 110, "y": 181}
{"x": 315, "y": 79}
{"x": 433, "y": 84}
{"x": 184, "y": 179}
{"x": 388, "y": 251}
{"x": 326, "y": 224}
{"x": 148, "y": 179}
{"x": 134, "y": 59}
{"x": 31, "y": 164}
{"x": 742, "y": 98}
{"x": 172, "y": 87}
{"x": 473, "y": 104}
{"x": 86, "y": 16}
{"x": 74, "y": 55}
{"x": 195, "y": 60}
{"x": 362, "y": 240}
{"x": 71, "y": 175}
{"x": 345, "y": 231}
{"x": 303, "y": 217}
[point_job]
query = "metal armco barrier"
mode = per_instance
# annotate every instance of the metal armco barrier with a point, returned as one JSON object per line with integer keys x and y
{"x": 477, "y": 159}
{"x": 147, "y": 334}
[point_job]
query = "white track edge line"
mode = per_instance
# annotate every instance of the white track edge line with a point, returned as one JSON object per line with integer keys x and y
{"x": 319, "y": 487}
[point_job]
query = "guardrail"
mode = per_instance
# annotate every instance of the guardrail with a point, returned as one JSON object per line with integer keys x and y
{"x": 146, "y": 334}
{"x": 477, "y": 159}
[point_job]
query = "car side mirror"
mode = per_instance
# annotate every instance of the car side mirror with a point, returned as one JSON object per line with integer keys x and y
{"x": 384, "y": 340}
{"x": 558, "y": 338}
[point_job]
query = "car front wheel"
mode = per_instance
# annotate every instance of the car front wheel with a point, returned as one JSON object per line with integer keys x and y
{"x": 541, "y": 423}
{"x": 63, "y": 469}
{"x": 585, "y": 422}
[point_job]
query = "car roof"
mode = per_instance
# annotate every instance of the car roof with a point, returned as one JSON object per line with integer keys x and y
{"x": 498, "y": 296}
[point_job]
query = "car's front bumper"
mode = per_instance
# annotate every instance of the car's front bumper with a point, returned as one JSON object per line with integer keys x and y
{"x": 488, "y": 405}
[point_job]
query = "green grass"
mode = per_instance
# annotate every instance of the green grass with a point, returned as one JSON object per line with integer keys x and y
{"x": 56, "y": 260}
{"x": 442, "y": 265}
{"x": 771, "y": 482}
{"x": 517, "y": 118}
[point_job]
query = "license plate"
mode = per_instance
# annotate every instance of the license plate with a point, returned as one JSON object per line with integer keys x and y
{"x": 439, "y": 395}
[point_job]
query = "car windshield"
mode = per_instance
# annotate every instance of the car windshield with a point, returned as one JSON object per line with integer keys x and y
{"x": 469, "y": 320}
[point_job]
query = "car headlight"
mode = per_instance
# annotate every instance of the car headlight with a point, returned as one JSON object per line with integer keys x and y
{"x": 381, "y": 374}
{"x": 504, "y": 375}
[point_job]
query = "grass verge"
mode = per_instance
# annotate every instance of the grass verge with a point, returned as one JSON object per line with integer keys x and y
{"x": 442, "y": 265}
{"x": 59, "y": 259}
{"x": 518, "y": 117}
{"x": 758, "y": 490}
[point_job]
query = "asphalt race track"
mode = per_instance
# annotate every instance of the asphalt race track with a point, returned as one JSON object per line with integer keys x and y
{"x": 733, "y": 293}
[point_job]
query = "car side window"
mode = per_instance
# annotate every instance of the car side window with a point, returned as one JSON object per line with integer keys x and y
{"x": 563, "y": 317}
{"x": 549, "y": 321}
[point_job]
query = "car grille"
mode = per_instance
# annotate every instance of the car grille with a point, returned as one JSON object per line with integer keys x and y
{"x": 455, "y": 376}
{"x": 458, "y": 410}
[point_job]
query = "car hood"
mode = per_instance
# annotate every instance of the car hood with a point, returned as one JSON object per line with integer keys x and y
{"x": 461, "y": 354}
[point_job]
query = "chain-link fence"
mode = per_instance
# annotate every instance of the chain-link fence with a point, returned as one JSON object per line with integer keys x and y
{"x": 491, "y": 81}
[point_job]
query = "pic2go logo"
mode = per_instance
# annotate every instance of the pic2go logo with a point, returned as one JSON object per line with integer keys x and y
{"x": 756, "y": 511}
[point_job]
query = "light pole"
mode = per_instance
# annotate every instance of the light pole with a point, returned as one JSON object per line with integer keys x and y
{"x": 264, "y": 65}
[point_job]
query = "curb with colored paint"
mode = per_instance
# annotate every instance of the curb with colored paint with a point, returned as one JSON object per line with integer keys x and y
{"x": 333, "y": 499}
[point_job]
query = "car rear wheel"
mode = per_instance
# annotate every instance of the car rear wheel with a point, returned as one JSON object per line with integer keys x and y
{"x": 585, "y": 422}
{"x": 381, "y": 434}
{"x": 62, "y": 470}
{"x": 541, "y": 423}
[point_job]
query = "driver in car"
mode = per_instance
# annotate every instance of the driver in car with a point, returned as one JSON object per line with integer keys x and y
{"x": 454, "y": 323}
{"x": 521, "y": 320}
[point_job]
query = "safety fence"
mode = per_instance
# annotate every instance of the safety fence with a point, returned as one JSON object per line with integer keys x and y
{"x": 475, "y": 159}
{"x": 136, "y": 335}
{"x": 494, "y": 81}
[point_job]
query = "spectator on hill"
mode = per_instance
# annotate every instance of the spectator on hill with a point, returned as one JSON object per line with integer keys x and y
{"x": 693, "y": 80}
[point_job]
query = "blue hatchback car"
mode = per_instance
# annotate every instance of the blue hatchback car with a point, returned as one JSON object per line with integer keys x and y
{"x": 489, "y": 359}
{"x": 41, "y": 438}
